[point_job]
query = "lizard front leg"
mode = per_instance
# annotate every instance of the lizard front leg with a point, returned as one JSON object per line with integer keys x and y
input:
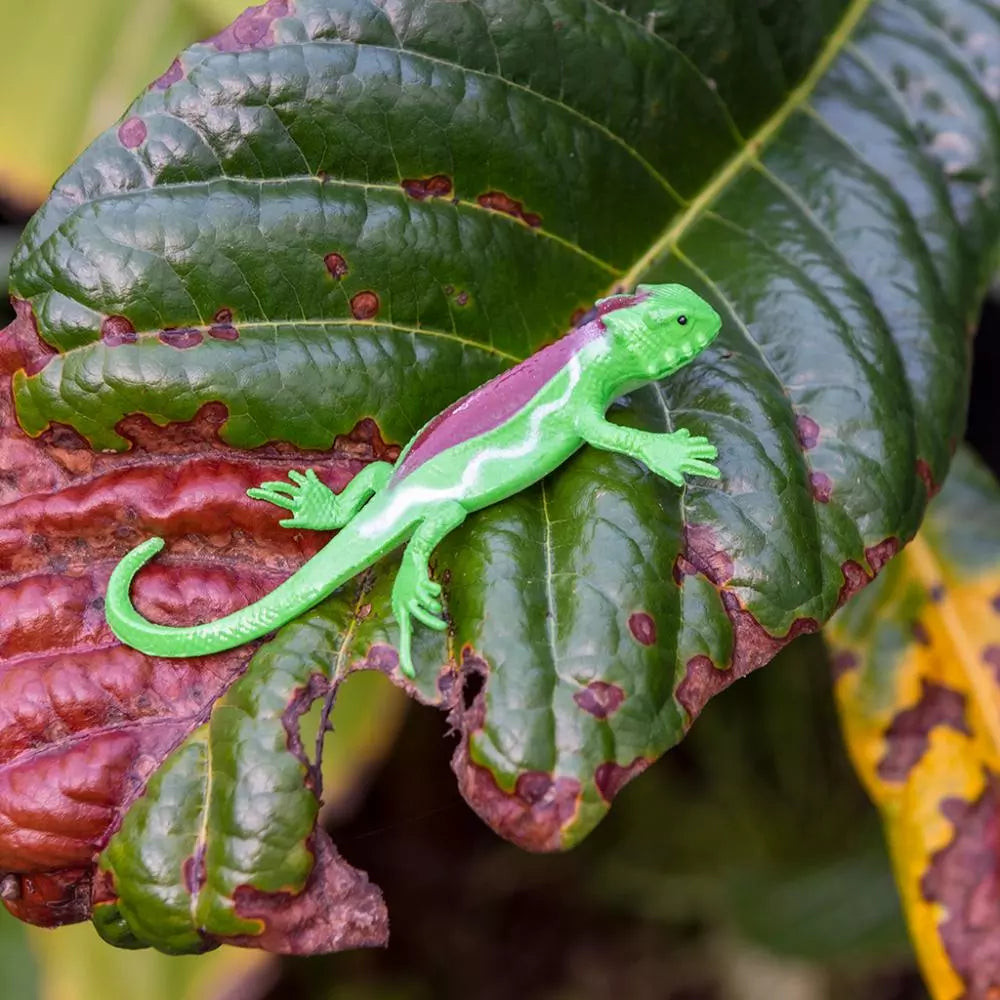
{"x": 314, "y": 505}
{"x": 671, "y": 456}
{"x": 414, "y": 593}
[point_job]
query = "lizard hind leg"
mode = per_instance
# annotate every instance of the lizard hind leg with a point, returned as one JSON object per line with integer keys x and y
{"x": 314, "y": 505}
{"x": 414, "y": 593}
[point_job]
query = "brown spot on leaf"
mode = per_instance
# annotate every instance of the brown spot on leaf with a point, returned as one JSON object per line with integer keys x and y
{"x": 533, "y": 786}
{"x": 600, "y": 699}
{"x": 855, "y": 579}
{"x": 919, "y": 632}
{"x": 843, "y": 662}
{"x": 84, "y": 721}
{"x": 462, "y": 298}
{"x": 116, "y": 330}
{"x": 703, "y": 552}
{"x": 497, "y": 201}
{"x": 964, "y": 878}
{"x": 336, "y": 265}
{"x": 753, "y": 646}
{"x": 437, "y": 186}
{"x": 611, "y": 778}
{"x": 702, "y": 680}
{"x": 533, "y": 816}
{"x": 181, "y": 337}
{"x": 936, "y": 593}
{"x": 364, "y": 305}
{"x": 857, "y": 576}
{"x": 808, "y": 431}
{"x": 132, "y": 132}
{"x": 908, "y": 735}
{"x": 821, "y": 486}
{"x": 991, "y": 657}
{"x": 995, "y": 603}
{"x": 927, "y": 477}
{"x": 193, "y": 870}
{"x": 253, "y": 29}
{"x": 643, "y": 627}
{"x": 878, "y": 555}
{"x": 175, "y": 72}
{"x": 222, "y": 326}
{"x": 21, "y": 345}
{"x": 682, "y": 568}
{"x": 337, "y": 910}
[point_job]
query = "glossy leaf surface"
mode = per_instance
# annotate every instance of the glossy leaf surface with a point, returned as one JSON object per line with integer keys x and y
{"x": 341, "y": 216}
{"x": 918, "y": 659}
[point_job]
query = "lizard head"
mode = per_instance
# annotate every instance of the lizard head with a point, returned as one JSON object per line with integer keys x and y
{"x": 663, "y": 328}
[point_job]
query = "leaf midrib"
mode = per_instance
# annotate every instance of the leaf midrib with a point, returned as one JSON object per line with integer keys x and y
{"x": 751, "y": 149}
{"x": 269, "y": 324}
{"x": 747, "y": 155}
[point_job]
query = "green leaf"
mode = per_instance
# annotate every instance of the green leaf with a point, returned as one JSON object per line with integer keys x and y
{"x": 340, "y": 210}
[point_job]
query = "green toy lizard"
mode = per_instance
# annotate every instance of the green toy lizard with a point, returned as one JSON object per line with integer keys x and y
{"x": 501, "y": 438}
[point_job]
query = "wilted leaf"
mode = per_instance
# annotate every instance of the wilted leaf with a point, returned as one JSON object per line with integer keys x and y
{"x": 917, "y": 658}
{"x": 340, "y": 211}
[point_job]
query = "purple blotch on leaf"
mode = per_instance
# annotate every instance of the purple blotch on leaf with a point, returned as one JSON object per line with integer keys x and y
{"x": 421, "y": 188}
{"x": 252, "y": 29}
{"x": 181, "y": 337}
{"x": 364, "y": 305}
{"x": 842, "y": 662}
{"x": 132, "y": 132}
{"x": 336, "y": 265}
{"x": 600, "y": 699}
{"x": 808, "y": 431}
{"x": 222, "y": 326}
{"x": 643, "y": 627}
{"x": 497, "y": 201}
{"x": 610, "y": 777}
{"x": 116, "y": 330}
{"x": 991, "y": 657}
{"x": 821, "y": 486}
{"x": 175, "y": 72}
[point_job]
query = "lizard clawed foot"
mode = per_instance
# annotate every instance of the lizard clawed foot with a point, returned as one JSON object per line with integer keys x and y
{"x": 676, "y": 455}
{"x": 312, "y": 503}
{"x": 414, "y": 595}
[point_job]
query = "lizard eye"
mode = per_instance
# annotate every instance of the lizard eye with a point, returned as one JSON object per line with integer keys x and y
{"x": 682, "y": 320}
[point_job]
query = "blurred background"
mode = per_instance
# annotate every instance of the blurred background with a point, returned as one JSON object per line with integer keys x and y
{"x": 746, "y": 865}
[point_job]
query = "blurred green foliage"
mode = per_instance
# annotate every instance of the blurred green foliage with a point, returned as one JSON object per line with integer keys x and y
{"x": 70, "y": 68}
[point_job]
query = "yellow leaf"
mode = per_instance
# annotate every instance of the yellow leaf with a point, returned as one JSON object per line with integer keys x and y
{"x": 69, "y": 68}
{"x": 917, "y": 658}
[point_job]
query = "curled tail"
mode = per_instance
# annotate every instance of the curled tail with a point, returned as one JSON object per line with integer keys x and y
{"x": 345, "y": 556}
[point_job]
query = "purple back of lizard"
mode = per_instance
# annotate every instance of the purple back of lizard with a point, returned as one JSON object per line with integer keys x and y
{"x": 498, "y": 400}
